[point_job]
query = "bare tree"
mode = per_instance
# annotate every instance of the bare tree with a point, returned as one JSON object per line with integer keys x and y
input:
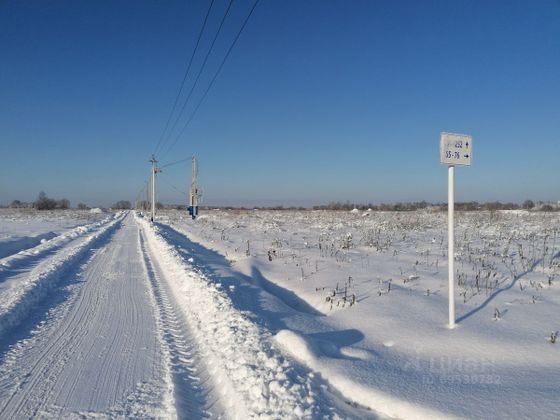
{"x": 44, "y": 203}
{"x": 122, "y": 205}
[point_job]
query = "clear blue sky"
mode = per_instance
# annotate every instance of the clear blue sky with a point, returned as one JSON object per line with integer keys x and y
{"x": 319, "y": 100}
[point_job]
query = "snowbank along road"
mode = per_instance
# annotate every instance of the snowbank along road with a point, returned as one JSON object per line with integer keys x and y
{"x": 113, "y": 320}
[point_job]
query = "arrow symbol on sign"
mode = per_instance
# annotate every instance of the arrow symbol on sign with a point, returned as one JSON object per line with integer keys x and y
{"x": 467, "y": 156}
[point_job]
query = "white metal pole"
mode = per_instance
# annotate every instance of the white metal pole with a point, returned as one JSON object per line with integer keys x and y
{"x": 147, "y": 197}
{"x": 451, "y": 239}
{"x": 195, "y": 183}
{"x": 153, "y": 191}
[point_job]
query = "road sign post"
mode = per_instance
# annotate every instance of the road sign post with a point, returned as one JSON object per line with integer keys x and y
{"x": 454, "y": 149}
{"x": 451, "y": 242}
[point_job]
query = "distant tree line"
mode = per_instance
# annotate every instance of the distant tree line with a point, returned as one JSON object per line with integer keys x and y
{"x": 146, "y": 205}
{"x": 399, "y": 206}
{"x": 45, "y": 203}
{"x": 420, "y": 205}
{"x": 122, "y": 205}
{"x": 16, "y": 204}
{"x": 280, "y": 207}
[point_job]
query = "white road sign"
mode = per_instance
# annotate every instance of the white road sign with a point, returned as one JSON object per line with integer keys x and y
{"x": 455, "y": 149}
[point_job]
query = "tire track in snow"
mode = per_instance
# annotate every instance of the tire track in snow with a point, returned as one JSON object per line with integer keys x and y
{"x": 27, "y": 289}
{"x": 192, "y": 391}
{"x": 44, "y": 367}
{"x": 32, "y": 256}
{"x": 98, "y": 353}
{"x": 42, "y": 371}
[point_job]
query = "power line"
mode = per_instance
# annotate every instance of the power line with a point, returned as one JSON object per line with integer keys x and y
{"x": 184, "y": 78}
{"x": 174, "y": 187}
{"x": 175, "y": 163}
{"x": 169, "y": 134}
{"x": 214, "y": 77}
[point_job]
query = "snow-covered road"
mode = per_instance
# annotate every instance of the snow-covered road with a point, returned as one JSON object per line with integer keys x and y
{"x": 117, "y": 322}
{"x": 98, "y": 342}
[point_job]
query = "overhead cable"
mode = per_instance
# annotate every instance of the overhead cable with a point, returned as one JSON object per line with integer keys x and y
{"x": 195, "y": 83}
{"x": 213, "y": 78}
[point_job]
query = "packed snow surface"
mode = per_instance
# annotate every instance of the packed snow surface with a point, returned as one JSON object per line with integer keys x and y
{"x": 92, "y": 344}
{"x": 278, "y": 314}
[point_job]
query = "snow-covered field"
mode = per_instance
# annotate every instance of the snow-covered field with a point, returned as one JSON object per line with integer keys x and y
{"x": 365, "y": 299}
{"x": 278, "y": 314}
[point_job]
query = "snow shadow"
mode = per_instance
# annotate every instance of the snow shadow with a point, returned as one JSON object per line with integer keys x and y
{"x": 244, "y": 291}
{"x": 39, "y": 316}
{"x": 38, "y": 308}
{"x": 287, "y": 296}
{"x": 13, "y": 246}
{"x": 26, "y": 263}
{"x": 343, "y": 338}
{"x": 497, "y": 292}
{"x": 331, "y": 343}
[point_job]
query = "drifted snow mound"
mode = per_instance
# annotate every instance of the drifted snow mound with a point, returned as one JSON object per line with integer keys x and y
{"x": 354, "y": 211}
{"x": 319, "y": 355}
{"x": 96, "y": 210}
{"x": 300, "y": 348}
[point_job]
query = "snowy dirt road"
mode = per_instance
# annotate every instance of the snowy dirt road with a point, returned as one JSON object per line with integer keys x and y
{"x": 118, "y": 323}
{"x": 104, "y": 341}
